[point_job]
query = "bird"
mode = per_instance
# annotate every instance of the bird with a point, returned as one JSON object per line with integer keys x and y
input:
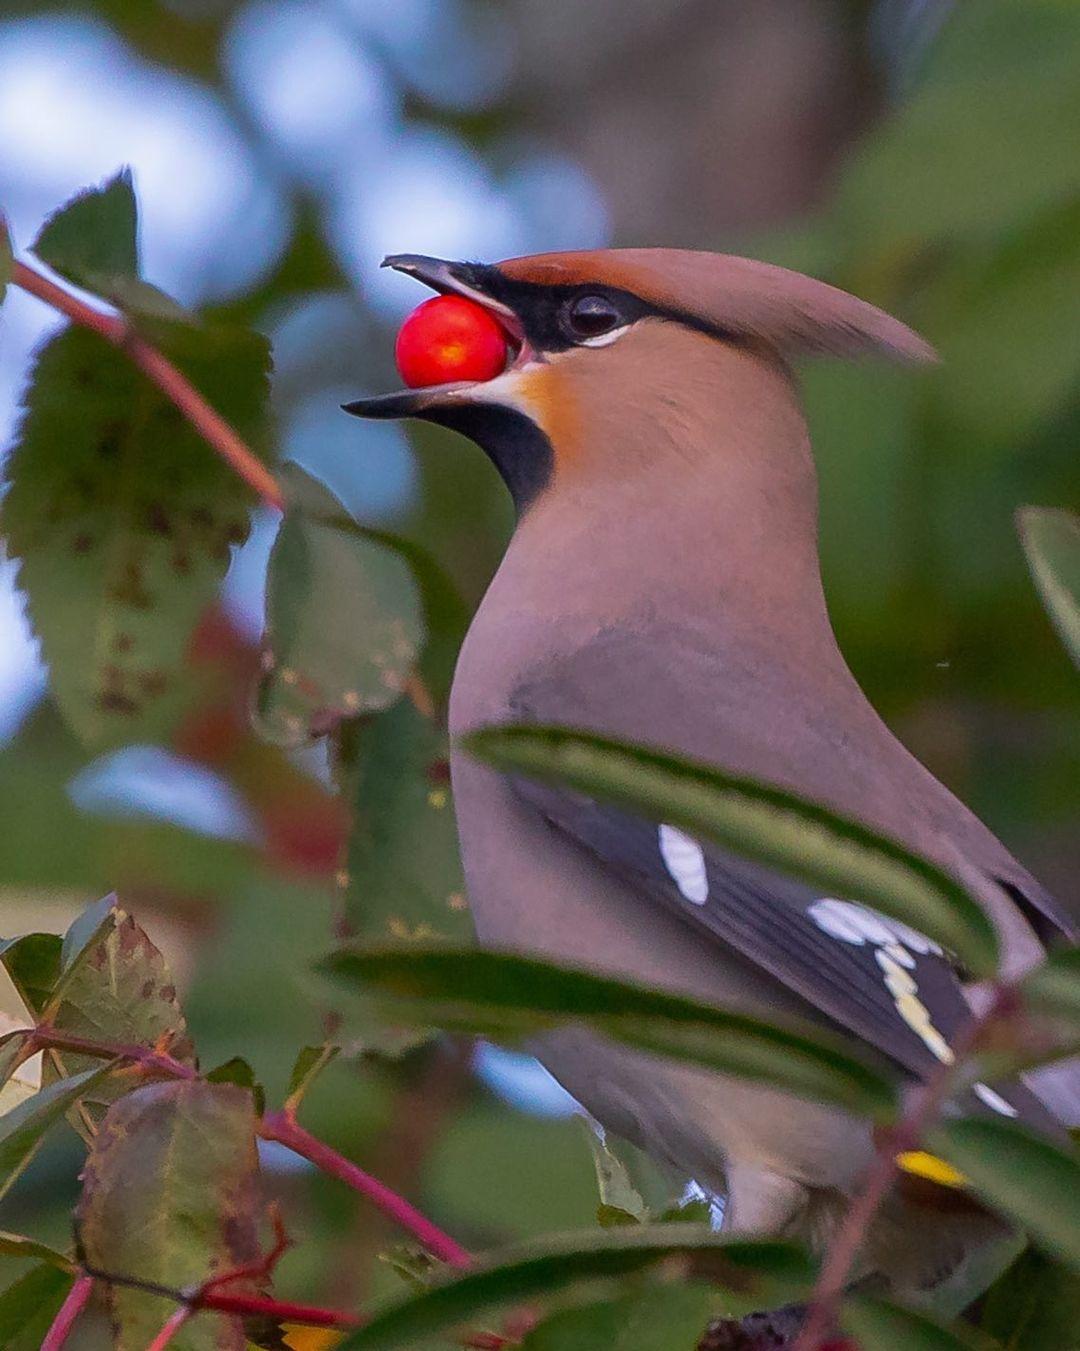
{"x": 662, "y": 586}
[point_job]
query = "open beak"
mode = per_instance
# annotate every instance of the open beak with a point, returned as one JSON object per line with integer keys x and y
{"x": 447, "y": 278}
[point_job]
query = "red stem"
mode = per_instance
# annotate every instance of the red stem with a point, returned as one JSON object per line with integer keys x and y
{"x": 50, "y": 1039}
{"x": 213, "y": 428}
{"x": 285, "y": 1129}
{"x": 175, "y": 1322}
{"x": 69, "y": 1311}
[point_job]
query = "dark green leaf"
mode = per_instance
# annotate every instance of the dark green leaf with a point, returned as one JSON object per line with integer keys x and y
{"x": 237, "y": 1071}
{"x": 18, "y": 1245}
{"x": 344, "y": 619}
{"x": 170, "y": 1195}
{"x": 92, "y": 241}
{"x": 664, "y": 1318}
{"x": 1035, "y": 1304}
{"x": 22, "y": 1129}
{"x": 750, "y": 1273}
{"x": 310, "y": 1063}
{"x": 1051, "y": 540}
{"x": 768, "y": 824}
{"x": 880, "y": 1326}
{"x": 509, "y": 995}
{"x": 403, "y": 877}
{"x": 33, "y": 963}
{"x": 122, "y": 520}
{"x": 1028, "y": 1179}
{"x": 29, "y": 1305}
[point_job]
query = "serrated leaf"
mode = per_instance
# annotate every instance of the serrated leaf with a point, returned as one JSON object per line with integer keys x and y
{"x": 661, "y": 1319}
{"x": 1051, "y": 541}
{"x": 115, "y": 988}
{"x": 880, "y": 1326}
{"x": 496, "y": 993}
{"x": 1025, "y": 1177}
{"x": 92, "y": 241}
{"x": 23, "y": 1128}
{"x": 403, "y": 874}
{"x": 620, "y": 1200}
{"x": 310, "y": 1063}
{"x": 19, "y": 1245}
{"x": 33, "y": 963}
{"x": 344, "y": 619}
{"x": 1036, "y": 1303}
{"x": 122, "y": 520}
{"x": 29, "y": 1305}
{"x": 775, "y": 827}
{"x": 170, "y": 1195}
{"x": 749, "y": 1273}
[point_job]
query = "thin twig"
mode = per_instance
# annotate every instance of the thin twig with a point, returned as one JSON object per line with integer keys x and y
{"x": 46, "y": 1038}
{"x": 286, "y": 1130}
{"x": 176, "y": 387}
{"x": 171, "y": 1327}
{"x": 905, "y": 1135}
{"x": 69, "y": 1312}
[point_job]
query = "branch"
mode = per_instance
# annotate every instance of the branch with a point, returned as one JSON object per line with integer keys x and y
{"x": 46, "y": 1038}
{"x": 905, "y": 1135}
{"x": 176, "y": 387}
{"x": 69, "y": 1311}
{"x": 284, "y": 1128}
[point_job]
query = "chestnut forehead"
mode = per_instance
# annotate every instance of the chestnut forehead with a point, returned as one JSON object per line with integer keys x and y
{"x": 582, "y": 268}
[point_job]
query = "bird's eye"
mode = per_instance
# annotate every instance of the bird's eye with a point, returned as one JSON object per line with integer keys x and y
{"x": 591, "y": 316}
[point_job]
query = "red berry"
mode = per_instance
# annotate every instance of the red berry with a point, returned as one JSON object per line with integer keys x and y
{"x": 449, "y": 338}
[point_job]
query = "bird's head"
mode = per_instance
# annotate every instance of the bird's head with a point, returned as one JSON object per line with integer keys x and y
{"x": 615, "y": 353}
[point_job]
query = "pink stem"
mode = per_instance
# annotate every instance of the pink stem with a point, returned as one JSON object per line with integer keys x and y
{"x": 69, "y": 1311}
{"x": 283, "y": 1128}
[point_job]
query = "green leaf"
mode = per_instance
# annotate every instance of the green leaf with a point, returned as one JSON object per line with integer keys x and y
{"x": 403, "y": 877}
{"x": 751, "y": 1273}
{"x": 344, "y": 619}
{"x": 503, "y": 994}
{"x": 237, "y": 1071}
{"x": 18, "y": 1245}
{"x": 1051, "y": 540}
{"x": 665, "y": 1318}
{"x": 115, "y": 988}
{"x": 92, "y": 241}
{"x": 770, "y": 825}
{"x": 6, "y": 259}
{"x": 33, "y": 963}
{"x": 22, "y": 1129}
{"x": 1023, "y": 1176}
{"x": 1054, "y": 986}
{"x": 170, "y": 1196}
{"x": 620, "y": 1200}
{"x": 310, "y": 1063}
{"x": 1036, "y": 1303}
{"x": 29, "y": 1305}
{"x": 880, "y": 1326}
{"x": 122, "y": 520}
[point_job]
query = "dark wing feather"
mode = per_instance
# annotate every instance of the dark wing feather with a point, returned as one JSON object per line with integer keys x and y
{"x": 767, "y": 918}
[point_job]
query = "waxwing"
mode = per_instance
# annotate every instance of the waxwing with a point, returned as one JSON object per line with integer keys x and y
{"x": 663, "y": 586}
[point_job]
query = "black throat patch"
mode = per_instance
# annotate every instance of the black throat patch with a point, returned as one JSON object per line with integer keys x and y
{"x": 514, "y": 443}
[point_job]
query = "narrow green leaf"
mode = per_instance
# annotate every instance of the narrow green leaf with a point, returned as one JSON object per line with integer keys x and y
{"x": 310, "y": 1063}
{"x": 18, "y": 1245}
{"x": 92, "y": 241}
{"x": 170, "y": 1195}
{"x": 122, "y": 520}
{"x": 22, "y": 1129}
{"x": 751, "y": 1273}
{"x": 662, "y": 1318}
{"x": 403, "y": 877}
{"x": 5, "y": 258}
{"x": 771, "y": 825}
{"x": 1036, "y": 1303}
{"x": 880, "y": 1326}
{"x": 33, "y": 963}
{"x": 1051, "y": 540}
{"x": 29, "y": 1305}
{"x": 1028, "y": 1179}
{"x": 510, "y": 995}
{"x": 344, "y": 619}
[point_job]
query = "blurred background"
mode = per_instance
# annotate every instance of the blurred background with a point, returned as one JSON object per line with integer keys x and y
{"x": 920, "y": 153}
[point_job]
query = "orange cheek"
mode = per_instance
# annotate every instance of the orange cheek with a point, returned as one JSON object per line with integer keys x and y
{"x": 548, "y": 395}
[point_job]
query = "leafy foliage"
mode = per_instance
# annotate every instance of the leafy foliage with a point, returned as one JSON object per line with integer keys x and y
{"x": 1051, "y": 540}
